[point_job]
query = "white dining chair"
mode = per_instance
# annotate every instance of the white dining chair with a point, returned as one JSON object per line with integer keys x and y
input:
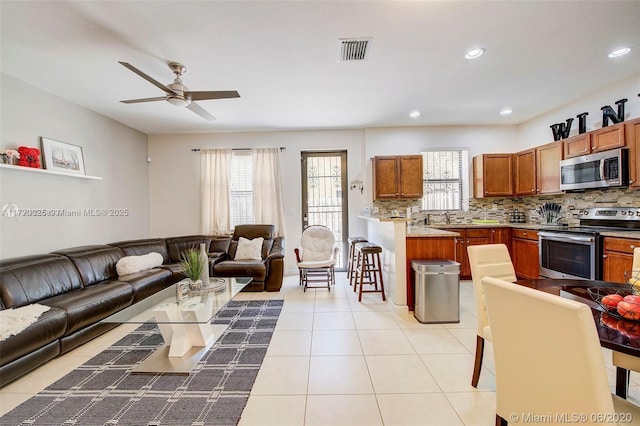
{"x": 488, "y": 260}
{"x": 548, "y": 360}
{"x": 625, "y": 363}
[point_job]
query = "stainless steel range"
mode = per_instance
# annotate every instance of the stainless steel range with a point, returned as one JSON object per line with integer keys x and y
{"x": 576, "y": 252}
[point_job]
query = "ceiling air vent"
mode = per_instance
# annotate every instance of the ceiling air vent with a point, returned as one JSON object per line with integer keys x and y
{"x": 354, "y": 49}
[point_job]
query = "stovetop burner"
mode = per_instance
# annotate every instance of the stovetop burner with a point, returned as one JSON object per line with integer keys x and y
{"x": 596, "y": 220}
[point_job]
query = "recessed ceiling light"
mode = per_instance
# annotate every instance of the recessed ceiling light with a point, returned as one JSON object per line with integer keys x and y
{"x": 506, "y": 111}
{"x": 619, "y": 52}
{"x": 474, "y": 53}
{"x": 414, "y": 114}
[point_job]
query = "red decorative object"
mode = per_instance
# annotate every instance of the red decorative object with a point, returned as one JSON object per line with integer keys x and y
{"x": 29, "y": 157}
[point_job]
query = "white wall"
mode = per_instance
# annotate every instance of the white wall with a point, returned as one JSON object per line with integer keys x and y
{"x": 538, "y": 131}
{"x": 111, "y": 150}
{"x": 174, "y": 170}
{"x": 175, "y": 176}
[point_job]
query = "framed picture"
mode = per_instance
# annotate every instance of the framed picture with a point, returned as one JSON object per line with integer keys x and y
{"x": 62, "y": 157}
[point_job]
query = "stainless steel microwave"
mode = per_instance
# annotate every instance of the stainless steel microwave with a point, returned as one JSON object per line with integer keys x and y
{"x": 600, "y": 170}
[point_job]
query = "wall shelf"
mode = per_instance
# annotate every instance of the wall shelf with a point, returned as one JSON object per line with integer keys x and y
{"x": 48, "y": 172}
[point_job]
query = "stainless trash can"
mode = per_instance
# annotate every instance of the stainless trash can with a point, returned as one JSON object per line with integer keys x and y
{"x": 436, "y": 291}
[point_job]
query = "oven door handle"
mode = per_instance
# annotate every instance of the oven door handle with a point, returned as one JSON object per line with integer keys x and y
{"x": 565, "y": 237}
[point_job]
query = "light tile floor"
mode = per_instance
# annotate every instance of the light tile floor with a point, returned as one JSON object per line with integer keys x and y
{"x": 336, "y": 361}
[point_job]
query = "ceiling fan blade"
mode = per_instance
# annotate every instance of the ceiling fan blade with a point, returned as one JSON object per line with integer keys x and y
{"x": 137, "y": 101}
{"x": 146, "y": 77}
{"x": 220, "y": 94}
{"x": 200, "y": 111}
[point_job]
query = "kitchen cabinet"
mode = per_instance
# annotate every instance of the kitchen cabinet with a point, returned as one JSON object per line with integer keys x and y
{"x": 537, "y": 170}
{"x": 493, "y": 175}
{"x": 632, "y": 137}
{"x": 525, "y": 254}
{"x": 426, "y": 248}
{"x": 577, "y": 145}
{"x": 477, "y": 236}
{"x": 606, "y": 138}
{"x": 617, "y": 258}
{"x": 397, "y": 177}
{"x": 525, "y": 172}
{"x": 603, "y": 139}
{"x": 548, "y": 168}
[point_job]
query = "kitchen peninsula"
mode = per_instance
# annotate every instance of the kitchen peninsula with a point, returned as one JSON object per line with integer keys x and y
{"x": 397, "y": 238}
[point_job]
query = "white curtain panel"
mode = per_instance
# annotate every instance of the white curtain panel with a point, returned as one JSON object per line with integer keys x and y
{"x": 215, "y": 171}
{"x": 267, "y": 188}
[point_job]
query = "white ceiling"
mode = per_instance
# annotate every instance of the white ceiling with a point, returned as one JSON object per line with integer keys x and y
{"x": 283, "y": 59}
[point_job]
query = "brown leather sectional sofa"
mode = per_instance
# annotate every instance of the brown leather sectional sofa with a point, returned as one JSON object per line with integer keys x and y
{"x": 81, "y": 286}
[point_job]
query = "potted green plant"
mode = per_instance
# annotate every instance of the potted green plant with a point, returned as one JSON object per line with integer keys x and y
{"x": 192, "y": 265}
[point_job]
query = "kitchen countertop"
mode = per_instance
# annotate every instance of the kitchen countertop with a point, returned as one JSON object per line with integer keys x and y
{"x": 385, "y": 219}
{"x": 621, "y": 234}
{"x": 415, "y": 231}
{"x": 448, "y": 229}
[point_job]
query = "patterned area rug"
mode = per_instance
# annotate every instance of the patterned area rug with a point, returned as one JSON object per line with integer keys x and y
{"x": 102, "y": 392}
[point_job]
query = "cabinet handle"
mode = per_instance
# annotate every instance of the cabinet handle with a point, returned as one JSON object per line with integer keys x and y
{"x": 604, "y": 256}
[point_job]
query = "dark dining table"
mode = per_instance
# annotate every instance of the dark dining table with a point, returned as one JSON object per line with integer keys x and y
{"x": 616, "y": 334}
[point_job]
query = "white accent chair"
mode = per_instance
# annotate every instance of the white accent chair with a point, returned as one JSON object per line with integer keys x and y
{"x": 317, "y": 257}
{"x": 548, "y": 359}
{"x": 488, "y": 260}
{"x": 623, "y": 362}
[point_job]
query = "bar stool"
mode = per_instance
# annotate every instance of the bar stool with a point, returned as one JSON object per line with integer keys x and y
{"x": 368, "y": 264}
{"x": 351, "y": 263}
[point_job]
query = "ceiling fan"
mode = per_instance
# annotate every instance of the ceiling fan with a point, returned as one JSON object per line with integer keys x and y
{"x": 178, "y": 94}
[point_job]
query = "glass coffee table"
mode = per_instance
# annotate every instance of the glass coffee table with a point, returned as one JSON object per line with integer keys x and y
{"x": 184, "y": 322}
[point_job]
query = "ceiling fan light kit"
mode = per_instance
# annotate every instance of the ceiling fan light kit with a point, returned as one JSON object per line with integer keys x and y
{"x": 178, "y": 94}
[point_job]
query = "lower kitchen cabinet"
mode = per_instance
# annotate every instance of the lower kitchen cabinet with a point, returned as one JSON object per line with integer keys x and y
{"x": 617, "y": 258}
{"x": 525, "y": 253}
{"x": 426, "y": 248}
{"x": 477, "y": 236}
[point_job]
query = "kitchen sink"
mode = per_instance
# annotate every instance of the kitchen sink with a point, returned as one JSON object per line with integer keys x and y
{"x": 484, "y": 221}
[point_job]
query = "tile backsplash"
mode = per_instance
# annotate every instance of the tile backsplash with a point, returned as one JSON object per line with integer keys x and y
{"x": 483, "y": 208}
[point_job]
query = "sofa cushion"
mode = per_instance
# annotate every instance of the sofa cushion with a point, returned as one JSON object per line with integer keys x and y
{"x": 148, "y": 282}
{"x": 29, "y": 279}
{"x": 178, "y": 245}
{"x": 132, "y": 264}
{"x": 241, "y": 268}
{"x": 49, "y": 327}
{"x": 88, "y": 305}
{"x": 94, "y": 263}
{"x": 140, "y": 247}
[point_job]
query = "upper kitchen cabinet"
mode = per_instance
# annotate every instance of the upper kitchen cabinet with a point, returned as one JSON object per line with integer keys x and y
{"x": 525, "y": 172}
{"x": 632, "y": 129}
{"x": 548, "y": 168}
{"x": 493, "y": 175}
{"x": 610, "y": 137}
{"x": 603, "y": 139}
{"x": 577, "y": 145}
{"x": 397, "y": 177}
{"x": 537, "y": 170}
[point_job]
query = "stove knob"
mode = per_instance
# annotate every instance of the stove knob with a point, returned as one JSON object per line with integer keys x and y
{"x": 638, "y": 213}
{"x": 623, "y": 212}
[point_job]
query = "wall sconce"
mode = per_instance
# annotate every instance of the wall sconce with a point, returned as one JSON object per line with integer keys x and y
{"x": 357, "y": 184}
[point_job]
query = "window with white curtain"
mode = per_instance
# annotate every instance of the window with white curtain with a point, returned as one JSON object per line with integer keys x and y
{"x": 445, "y": 179}
{"x": 241, "y": 207}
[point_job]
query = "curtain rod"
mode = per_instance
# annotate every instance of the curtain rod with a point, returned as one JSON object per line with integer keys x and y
{"x": 282, "y": 148}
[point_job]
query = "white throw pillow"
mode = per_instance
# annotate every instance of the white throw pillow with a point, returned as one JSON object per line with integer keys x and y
{"x": 132, "y": 264}
{"x": 249, "y": 249}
